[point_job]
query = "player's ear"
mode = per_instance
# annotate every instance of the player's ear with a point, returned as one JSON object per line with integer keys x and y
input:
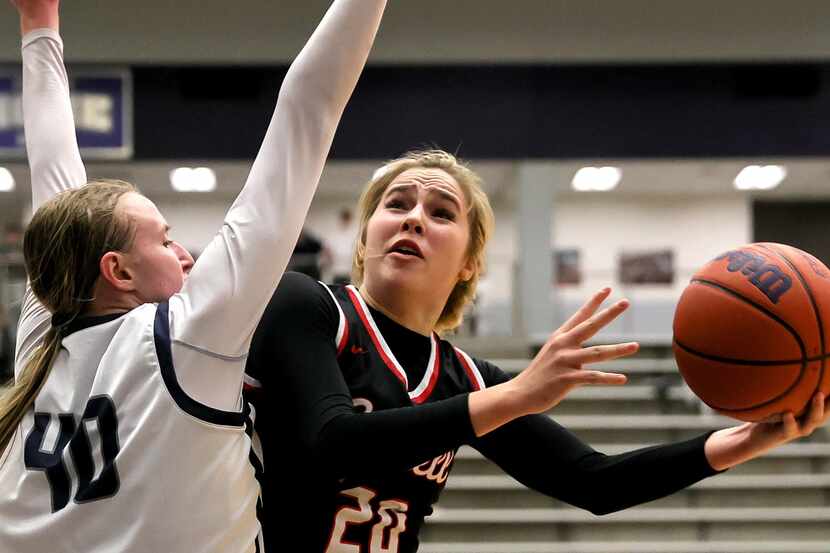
{"x": 467, "y": 270}
{"x": 116, "y": 272}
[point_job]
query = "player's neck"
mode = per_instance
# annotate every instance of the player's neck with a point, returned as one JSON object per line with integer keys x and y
{"x": 408, "y": 310}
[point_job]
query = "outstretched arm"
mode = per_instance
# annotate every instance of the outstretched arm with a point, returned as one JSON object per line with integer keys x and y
{"x": 548, "y": 458}
{"x": 230, "y": 285}
{"x": 54, "y": 159}
{"x": 733, "y": 446}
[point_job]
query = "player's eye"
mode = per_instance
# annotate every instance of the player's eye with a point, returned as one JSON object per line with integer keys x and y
{"x": 167, "y": 243}
{"x": 444, "y": 213}
{"x": 395, "y": 203}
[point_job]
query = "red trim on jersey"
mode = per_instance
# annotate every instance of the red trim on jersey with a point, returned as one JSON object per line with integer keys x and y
{"x": 374, "y": 338}
{"x": 468, "y": 369}
{"x": 345, "y": 338}
{"x": 433, "y": 378}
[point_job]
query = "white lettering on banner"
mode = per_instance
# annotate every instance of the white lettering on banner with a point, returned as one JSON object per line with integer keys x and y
{"x": 5, "y": 112}
{"x": 93, "y": 112}
{"x": 11, "y": 112}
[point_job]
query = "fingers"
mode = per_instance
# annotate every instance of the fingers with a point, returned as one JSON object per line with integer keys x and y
{"x": 583, "y": 313}
{"x": 790, "y": 424}
{"x": 816, "y": 416}
{"x": 596, "y": 378}
{"x": 597, "y": 354}
{"x": 587, "y": 329}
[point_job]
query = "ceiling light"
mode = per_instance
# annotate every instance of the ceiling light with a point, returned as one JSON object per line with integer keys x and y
{"x": 6, "y": 180}
{"x": 193, "y": 179}
{"x": 760, "y": 177}
{"x": 596, "y": 179}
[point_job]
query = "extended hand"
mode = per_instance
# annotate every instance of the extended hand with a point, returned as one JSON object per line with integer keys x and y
{"x": 557, "y": 369}
{"x": 732, "y": 446}
{"x": 790, "y": 428}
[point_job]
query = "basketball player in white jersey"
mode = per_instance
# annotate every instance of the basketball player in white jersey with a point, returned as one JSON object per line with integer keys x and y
{"x": 125, "y": 430}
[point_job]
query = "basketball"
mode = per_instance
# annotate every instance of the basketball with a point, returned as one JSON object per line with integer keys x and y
{"x": 751, "y": 331}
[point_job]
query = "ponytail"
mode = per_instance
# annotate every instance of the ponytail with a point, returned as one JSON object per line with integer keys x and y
{"x": 17, "y": 399}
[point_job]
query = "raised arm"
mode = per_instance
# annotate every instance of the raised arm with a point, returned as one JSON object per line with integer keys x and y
{"x": 51, "y": 146}
{"x": 235, "y": 277}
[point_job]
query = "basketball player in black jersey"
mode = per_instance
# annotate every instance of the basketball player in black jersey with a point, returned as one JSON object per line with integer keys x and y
{"x": 362, "y": 406}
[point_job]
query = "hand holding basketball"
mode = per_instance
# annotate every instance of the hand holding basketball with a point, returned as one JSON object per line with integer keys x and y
{"x": 732, "y": 446}
{"x": 557, "y": 368}
{"x": 790, "y": 428}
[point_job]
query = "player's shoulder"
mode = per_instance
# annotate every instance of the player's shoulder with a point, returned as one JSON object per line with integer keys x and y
{"x": 293, "y": 282}
{"x": 298, "y": 290}
{"x": 299, "y": 302}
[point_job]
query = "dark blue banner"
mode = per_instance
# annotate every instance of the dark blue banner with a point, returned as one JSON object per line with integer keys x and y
{"x": 102, "y": 102}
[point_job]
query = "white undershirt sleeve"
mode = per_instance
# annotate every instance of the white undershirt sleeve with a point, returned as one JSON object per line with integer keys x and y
{"x": 52, "y": 150}
{"x": 221, "y": 303}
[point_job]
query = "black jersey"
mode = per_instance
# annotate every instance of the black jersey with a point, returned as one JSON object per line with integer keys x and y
{"x": 360, "y": 418}
{"x": 390, "y": 508}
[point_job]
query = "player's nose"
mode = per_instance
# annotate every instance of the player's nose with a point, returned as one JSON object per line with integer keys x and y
{"x": 184, "y": 256}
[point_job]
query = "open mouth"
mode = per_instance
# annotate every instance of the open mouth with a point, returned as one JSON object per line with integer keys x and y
{"x": 406, "y": 247}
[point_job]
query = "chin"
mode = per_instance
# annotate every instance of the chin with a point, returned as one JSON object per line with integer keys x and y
{"x": 408, "y": 280}
{"x": 168, "y": 292}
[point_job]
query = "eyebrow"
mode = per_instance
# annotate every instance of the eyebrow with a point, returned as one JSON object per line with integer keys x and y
{"x": 437, "y": 189}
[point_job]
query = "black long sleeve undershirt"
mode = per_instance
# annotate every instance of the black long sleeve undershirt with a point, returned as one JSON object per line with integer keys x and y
{"x": 548, "y": 458}
{"x": 298, "y": 329}
{"x": 294, "y": 356}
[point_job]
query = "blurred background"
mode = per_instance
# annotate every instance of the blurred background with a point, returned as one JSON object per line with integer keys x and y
{"x": 622, "y": 143}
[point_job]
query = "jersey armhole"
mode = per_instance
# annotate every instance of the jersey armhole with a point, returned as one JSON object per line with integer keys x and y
{"x": 164, "y": 353}
{"x": 342, "y": 337}
{"x": 476, "y": 380}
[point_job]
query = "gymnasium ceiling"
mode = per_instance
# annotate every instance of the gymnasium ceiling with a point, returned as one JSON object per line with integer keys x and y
{"x": 442, "y": 31}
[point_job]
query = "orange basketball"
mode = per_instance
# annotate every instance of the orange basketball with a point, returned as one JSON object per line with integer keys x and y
{"x": 751, "y": 331}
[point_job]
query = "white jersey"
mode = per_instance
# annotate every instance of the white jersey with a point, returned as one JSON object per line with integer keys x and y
{"x": 139, "y": 439}
{"x": 117, "y": 457}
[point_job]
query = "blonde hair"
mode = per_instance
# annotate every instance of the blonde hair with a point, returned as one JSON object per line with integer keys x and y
{"x": 62, "y": 249}
{"x": 480, "y": 217}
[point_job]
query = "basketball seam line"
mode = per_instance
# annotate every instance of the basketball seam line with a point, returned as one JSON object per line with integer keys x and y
{"x": 746, "y": 362}
{"x": 758, "y": 362}
{"x": 815, "y": 310}
{"x": 771, "y": 315}
{"x": 759, "y": 307}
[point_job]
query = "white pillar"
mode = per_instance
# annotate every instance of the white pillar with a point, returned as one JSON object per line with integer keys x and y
{"x": 534, "y": 259}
